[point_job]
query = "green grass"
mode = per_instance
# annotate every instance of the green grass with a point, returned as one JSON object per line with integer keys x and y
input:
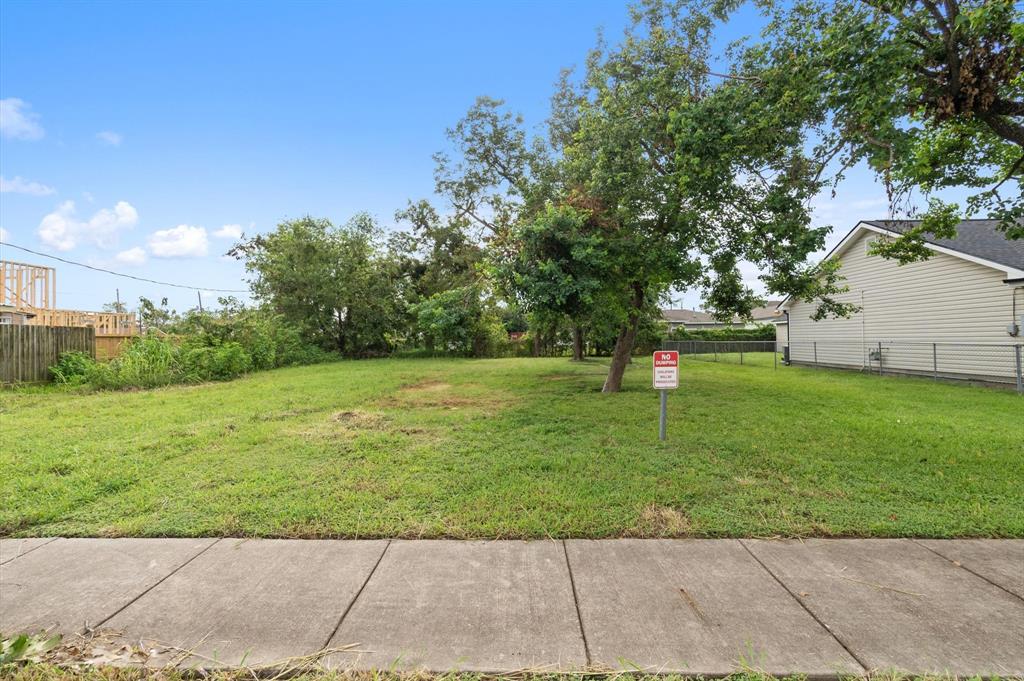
{"x": 515, "y": 448}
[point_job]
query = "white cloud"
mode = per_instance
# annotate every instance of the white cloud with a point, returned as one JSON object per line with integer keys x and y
{"x": 183, "y": 241}
{"x": 18, "y": 185}
{"x": 229, "y": 232}
{"x": 110, "y": 137}
{"x": 62, "y": 229}
{"x": 4, "y": 234}
{"x": 17, "y": 121}
{"x": 133, "y": 256}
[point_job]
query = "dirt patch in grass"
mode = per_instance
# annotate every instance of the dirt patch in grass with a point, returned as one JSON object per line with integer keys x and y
{"x": 282, "y": 415}
{"x": 361, "y": 420}
{"x": 661, "y": 521}
{"x": 434, "y": 394}
{"x": 344, "y": 425}
{"x": 425, "y": 386}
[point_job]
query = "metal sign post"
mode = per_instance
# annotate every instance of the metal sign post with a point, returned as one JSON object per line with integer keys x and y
{"x": 666, "y": 377}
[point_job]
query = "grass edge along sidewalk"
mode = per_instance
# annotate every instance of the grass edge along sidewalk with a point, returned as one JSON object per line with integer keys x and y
{"x": 515, "y": 448}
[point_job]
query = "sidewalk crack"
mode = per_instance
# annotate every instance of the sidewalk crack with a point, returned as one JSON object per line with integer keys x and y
{"x": 576, "y": 601}
{"x": 964, "y": 567}
{"x": 356, "y": 597}
{"x": 155, "y": 585}
{"x": 810, "y": 612}
{"x": 25, "y": 553}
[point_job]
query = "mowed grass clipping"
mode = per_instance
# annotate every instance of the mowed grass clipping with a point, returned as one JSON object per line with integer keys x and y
{"x": 516, "y": 448}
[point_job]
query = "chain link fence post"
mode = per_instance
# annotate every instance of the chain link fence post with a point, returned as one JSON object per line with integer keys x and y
{"x": 1020, "y": 372}
{"x": 879, "y": 358}
{"x": 935, "y": 361}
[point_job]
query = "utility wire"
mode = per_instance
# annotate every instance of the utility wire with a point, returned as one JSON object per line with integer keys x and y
{"x": 119, "y": 274}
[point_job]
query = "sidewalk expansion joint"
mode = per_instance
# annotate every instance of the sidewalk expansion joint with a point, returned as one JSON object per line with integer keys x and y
{"x": 155, "y": 584}
{"x": 25, "y": 553}
{"x": 865, "y": 668}
{"x": 964, "y": 567}
{"x": 576, "y": 601}
{"x": 356, "y": 597}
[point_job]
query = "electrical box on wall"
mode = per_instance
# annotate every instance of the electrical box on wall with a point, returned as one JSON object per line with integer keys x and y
{"x": 1013, "y": 328}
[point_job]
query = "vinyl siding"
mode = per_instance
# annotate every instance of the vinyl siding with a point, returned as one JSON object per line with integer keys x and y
{"x": 944, "y": 299}
{"x": 781, "y": 334}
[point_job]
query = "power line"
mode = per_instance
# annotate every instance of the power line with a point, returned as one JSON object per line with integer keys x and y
{"x": 119, "y": 274}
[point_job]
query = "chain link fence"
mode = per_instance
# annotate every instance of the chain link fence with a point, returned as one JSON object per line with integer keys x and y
{"x": 989, "y": 363}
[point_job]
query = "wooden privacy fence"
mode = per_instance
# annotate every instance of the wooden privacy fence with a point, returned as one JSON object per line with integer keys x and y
{"x": 109, "y": 347}
{"x": 26, "y": 352}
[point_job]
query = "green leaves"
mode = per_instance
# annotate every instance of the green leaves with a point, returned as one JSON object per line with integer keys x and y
{"x": 555, "y": 263}
{"x": 462, "y": 321}
{"x": 335, "y": 283}
{"x": 930, "y": 95}
{"x": 26, "y": 648}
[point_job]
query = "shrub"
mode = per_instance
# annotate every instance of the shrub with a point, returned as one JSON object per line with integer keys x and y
{"x": 206, "y": 347}
{"x": 268, "y": 338}
{"x": 72, "y": 368}
{"x": 764, "y": 332}
{"x": 215, "y": 362}
{"x": 144, "y": 362}
{"x": 461, "y": 322}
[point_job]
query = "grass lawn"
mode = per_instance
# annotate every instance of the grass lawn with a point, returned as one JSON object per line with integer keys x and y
{"x": 515, "y": 448}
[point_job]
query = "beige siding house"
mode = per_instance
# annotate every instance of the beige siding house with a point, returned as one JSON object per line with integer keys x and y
{"x": 695, "y": 319}
{"x": 957, "y": 314}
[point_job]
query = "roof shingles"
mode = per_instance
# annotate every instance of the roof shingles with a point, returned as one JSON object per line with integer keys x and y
{"x": 978, "y": 238}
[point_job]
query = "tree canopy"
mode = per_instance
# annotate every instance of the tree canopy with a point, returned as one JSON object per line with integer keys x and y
{"x": 335, "y": 283}
{"x": 930, "y": 93}
{"x": 663, "y": 179}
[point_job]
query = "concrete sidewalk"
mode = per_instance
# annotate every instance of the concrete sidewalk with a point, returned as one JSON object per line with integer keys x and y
{"x": 817, "y": 607}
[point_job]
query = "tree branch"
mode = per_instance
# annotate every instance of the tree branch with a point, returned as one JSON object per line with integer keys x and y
{"x": 1013, "y": 169}
{"x": 1009, "y": 130}
{"x": 1005, "y": 107}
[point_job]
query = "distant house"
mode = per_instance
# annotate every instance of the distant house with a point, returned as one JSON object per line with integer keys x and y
{"x": 969, "y": 292}
{"x": 12, "y": 315}
{"x": 696, "y": 319}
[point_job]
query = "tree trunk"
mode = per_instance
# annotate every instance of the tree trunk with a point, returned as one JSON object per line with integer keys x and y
{"x": 536, "y": 344}
{"x": 624, "y": 344}
{"x": 577, "y": 343}
{"x": 341, "y": 333}
{"x": 620, "y": 357}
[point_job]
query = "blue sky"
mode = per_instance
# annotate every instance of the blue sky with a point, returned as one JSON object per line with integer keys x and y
{"x": 141, "y": 137}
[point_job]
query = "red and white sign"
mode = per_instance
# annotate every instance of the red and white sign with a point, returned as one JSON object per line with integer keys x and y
{"x": 666, "y": 370}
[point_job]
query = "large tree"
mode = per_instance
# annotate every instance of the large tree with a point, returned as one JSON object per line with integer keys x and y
{"x": 678, "y": 188}
{"x": 335, "y": 283}
{"x": 930, "y": 93}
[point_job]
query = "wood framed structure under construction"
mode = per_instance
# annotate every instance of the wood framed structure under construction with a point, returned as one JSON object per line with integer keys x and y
{"x": 28, "y": 286}
{"x": 33, "y": 289}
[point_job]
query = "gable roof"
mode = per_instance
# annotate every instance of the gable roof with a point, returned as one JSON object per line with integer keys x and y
{"x": 683, "y": 316}
{"x": 767, "y": 311}
{"x": 978, "y": 238}
{"x": 687, "y": 316}
{"x": 976, "y": 241}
